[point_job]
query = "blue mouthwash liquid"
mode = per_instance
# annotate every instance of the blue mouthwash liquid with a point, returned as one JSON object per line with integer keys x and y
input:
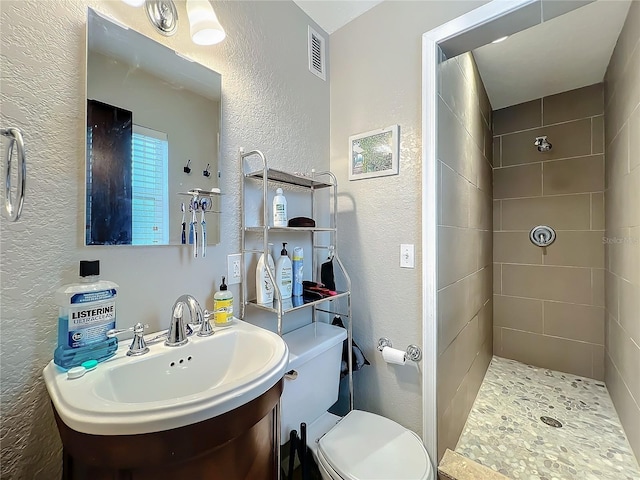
{"x": 87, "y": 310}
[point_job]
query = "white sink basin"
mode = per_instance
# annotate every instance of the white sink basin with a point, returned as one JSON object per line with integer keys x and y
{"x": 170, "y": 387}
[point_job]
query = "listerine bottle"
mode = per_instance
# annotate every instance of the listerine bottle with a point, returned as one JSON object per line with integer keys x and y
{"x": 87, "y": 310}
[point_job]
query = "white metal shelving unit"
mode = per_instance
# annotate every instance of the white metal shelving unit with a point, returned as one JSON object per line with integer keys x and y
{"x": 317, "y": 181}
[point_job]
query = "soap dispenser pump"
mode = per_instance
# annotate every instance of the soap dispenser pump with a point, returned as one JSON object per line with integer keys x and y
{"x": 284, "y": 273}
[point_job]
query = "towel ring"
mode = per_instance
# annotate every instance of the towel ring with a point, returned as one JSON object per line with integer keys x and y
{"x": 13, "y": 207}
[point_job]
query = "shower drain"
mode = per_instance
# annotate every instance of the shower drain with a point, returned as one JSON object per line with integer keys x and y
{"x": 552, "y": 422}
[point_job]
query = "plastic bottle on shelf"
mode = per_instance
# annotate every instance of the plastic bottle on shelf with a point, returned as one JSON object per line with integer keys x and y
{"x": 87, "y": 310}
{"x": 284, "y": 273}
{"x": 298, "y": 269}
{"x": 279, "y": 209}
{"x": 222, "y": 306}
{"x": 264, "y": 286}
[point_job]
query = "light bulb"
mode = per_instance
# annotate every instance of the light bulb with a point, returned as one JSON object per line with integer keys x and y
{"x": 205, "y": 27}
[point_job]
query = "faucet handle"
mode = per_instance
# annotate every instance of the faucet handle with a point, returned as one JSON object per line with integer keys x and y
{"x": 206, "y": 329}
{"x": 138, "y": 345}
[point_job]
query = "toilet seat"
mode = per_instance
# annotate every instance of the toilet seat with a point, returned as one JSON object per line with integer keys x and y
{"x": 365, "y": 446}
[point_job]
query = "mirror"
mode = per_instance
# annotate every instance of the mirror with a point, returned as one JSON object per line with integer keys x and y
{"x": 152, "y": 116}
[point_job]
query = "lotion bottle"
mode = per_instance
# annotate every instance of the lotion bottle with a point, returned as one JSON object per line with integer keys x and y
{"x": 264, "y": 286}
{"x": 284, "y": 273}
{"x": 222, "y": 306}
{"x": 279, "y": 209}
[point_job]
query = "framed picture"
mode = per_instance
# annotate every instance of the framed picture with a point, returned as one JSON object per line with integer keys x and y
{"x": 374, "y": 154}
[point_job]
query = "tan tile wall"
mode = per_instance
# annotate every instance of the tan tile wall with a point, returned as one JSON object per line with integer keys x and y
{"x": 622, "y": 219}
{"x": 465, "y": 244}
{"x": 549, "y": 304}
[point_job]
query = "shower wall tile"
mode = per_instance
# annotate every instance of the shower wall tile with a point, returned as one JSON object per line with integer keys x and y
{"x": 497, "y": 215}
{"x": 597, "y": 134}
{"x": 523, "y": 116}
{"x": 496, "y": 152}
{"x": 548, "y": 352}
{"x": 571, "y": 139}
{"x": 634, "y": 141}
{"x": 518, "y": 313}
{"x": 597, "y": 211}
{"x": 562, "y": 284}
{"x": 576, "y": 249}
{"x": 598, "y": 287}
{"x": 515, "y": 247}
{"x": 517, "y": 182}
{"x": 563, "y": 212}
{"x": 465, "y": 236}
{"x": 625, "y": 354}
{"x": 497, "y": 278}
{"x": 573, "y": 105}
{"x": 480, "y": 209}
{"x": 622, "y": 219}
{"x": 625, "y": 404}
{"x": 575, "y": 175}
{"x": 577, "y": 322}
{"x": 630, "y": 310}
{"x": 454, "y": 198}
{"x": 598, "y": 362}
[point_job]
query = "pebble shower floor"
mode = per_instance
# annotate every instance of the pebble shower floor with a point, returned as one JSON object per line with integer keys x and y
{"x": 504, "y": 431}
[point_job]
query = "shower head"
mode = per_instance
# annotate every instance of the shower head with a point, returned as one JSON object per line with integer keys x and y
{"x": 542, "y": 144}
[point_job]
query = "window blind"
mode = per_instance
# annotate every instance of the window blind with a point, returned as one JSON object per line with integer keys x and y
{"x": 150, "y": 187}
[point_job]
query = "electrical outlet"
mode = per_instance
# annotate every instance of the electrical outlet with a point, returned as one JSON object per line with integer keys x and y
{"x": 234, "y": 271}
{"x": 407, "y": 255}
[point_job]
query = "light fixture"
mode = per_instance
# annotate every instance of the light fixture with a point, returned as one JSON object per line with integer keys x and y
{"x": 205, "y": 27}
{"x": 162, "y": 15}
{"x": 134, "y": 3}
{"x": 501, "y": 39}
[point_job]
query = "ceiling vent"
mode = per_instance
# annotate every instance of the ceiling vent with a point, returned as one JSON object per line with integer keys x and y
{"x": 317, "y": 58}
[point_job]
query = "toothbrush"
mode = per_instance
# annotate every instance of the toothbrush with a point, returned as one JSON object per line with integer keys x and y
{"x": 203, "y": 225}
{"x": 191, "y": 224}
{"x": 193, "y": 228}
{"x": 184, "y": 226}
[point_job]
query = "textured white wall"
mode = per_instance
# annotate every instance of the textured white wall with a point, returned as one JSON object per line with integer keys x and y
{"x": 375, "y": 82}
{"x": 270, "y": 101}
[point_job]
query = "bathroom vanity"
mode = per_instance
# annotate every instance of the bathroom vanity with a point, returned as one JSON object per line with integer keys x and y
{"x": 239, "y": 444}
{"x": 207, "y": 408}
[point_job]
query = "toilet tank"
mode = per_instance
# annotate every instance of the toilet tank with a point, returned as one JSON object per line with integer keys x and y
{"x": 315, "y": 354}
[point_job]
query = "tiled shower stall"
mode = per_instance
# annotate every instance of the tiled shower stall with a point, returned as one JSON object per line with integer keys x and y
{"x": 565, "y": 318}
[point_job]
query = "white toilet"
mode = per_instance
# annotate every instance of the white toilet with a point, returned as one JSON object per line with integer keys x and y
{"x": 360, "y": 446}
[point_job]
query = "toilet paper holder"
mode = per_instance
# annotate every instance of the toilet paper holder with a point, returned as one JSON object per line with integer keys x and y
{"x": 413, "y": 351}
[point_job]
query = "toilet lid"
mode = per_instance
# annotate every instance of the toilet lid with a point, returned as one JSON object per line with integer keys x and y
{"x": 364, "y": 446}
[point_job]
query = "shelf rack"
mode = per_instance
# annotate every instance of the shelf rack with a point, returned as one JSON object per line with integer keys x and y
{"x": 313, "y": 182}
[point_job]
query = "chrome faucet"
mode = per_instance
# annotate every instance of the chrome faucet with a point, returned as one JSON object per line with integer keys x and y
{"x": 178, "y": 331}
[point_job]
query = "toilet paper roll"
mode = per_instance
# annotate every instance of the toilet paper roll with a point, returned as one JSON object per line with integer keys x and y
{"x": 393, "y": 355}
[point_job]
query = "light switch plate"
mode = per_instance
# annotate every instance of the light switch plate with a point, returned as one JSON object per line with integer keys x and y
{"x": 234, "y": 270}
{"x": 407, "y": 255}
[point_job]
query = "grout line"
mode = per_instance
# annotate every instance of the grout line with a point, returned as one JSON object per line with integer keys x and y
{"x": 555, "y": 195}
{"x": 591, "y": 135}
{"x": 549, "y": 265}
{"x": 543, "y": 330}
{"x": 584, "y": 342}
{"x": 545, "y": 126}
{"x": 591, "y": 211}
{"x": 576, "y": 157}
{"x": 550, "y": 301}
